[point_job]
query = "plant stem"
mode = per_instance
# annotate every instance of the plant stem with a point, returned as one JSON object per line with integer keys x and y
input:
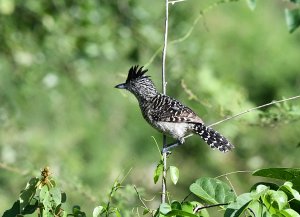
{"x": 252, "y": 109}
{"x": 164, "y": 90}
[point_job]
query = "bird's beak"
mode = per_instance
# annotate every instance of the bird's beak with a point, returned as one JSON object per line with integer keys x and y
{"x": 121, "y": 86}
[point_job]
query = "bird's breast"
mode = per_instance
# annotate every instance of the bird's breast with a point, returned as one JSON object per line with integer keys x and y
{"x": 176, "y": 130}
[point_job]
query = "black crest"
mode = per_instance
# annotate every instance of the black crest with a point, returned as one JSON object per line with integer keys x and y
{"x": 136, "y": 72}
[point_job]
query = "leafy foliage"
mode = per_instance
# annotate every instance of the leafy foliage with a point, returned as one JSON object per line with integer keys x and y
{"x": 56, "y": 77}
{"x": 43, "y": 196}
{"x": 212, "y": 191}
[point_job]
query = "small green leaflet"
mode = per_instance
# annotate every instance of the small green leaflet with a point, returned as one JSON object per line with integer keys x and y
{"x": 174, "y": 173}
{"x": 251, "y": 4}
{"x": 292, "y": 18}
{"x": 158, "y": 171}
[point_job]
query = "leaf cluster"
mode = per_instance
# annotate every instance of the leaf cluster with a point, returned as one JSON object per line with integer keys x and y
{"x": 266, "y": 199}
{"x": 40, "y": 194}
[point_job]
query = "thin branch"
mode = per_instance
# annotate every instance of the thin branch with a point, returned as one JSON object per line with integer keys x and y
{"x": 252, "y": 109}
{"x": 231, "y": 185}
{"x": 14, "y": 169}
{"x": 141, "y": 199}
{"x": 199, "y": 208}
{"x": 249, "y": 110}
{"x": 189, "y": 32}
{"x": 235, "y": 172}
{"x": 164, "y": 89}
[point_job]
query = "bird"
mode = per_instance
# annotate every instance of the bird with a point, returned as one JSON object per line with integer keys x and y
{"x": 168, "y": 115}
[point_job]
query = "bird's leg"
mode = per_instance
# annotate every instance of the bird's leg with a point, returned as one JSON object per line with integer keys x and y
{"x": 168, "y": 147}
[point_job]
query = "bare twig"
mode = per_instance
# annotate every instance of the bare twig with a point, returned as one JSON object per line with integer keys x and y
{"x": 252, "y": 109}
{"x": 235, "y": 172}
{"x": 231, "y": 185}
{"x": 14, "y": 169}
{"x": 164, "y": 89}
{"x": 249, "y": 110}
{"x": 142, "y": 200}
{"x": 199, "y": 208}
{"x": 189, "y": 32}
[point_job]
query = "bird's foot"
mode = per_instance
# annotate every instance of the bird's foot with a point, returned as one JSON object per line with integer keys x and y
{"x": 168, "y": 147}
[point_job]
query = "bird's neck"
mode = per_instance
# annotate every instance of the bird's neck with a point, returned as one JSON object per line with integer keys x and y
{"x": 146, "y": 95}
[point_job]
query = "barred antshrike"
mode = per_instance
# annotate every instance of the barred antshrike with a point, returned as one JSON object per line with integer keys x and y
{"x": 168, "y": 115}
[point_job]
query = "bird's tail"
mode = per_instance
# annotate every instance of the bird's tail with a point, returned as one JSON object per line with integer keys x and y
{"x": 212, "y": 137}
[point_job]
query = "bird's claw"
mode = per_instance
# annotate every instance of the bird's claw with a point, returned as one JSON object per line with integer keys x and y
{"x": 166, "y": 151}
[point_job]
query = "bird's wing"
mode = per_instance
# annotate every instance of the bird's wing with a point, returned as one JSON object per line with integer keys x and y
{"x": 174, "y": 111}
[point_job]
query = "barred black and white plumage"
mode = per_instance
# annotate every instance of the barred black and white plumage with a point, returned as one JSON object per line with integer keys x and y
{"x": 168, "y": 115}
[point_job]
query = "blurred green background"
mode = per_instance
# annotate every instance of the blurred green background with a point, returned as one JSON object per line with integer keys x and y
{"x": 59, "y": 62}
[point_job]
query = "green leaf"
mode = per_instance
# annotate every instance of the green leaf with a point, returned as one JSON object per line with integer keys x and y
{"x": 164, "y": 208}
{"x": 238, "y": 207}
{"x": 180, "y": 213}
{"x": 13, "y": 211}
{"x": 258, "y": 209}
{"x": 292, "y": 18}
{"x": 259, "y": 191}
{"x": 212, "y": 191}
{"x": 63, "y": 197}
{"x": 275, "y": 200}
{"x": 288, "y": 187}
{"x": 176, "y": 205}
{"x": 289, "y": 213}
{"x": 295, "y": 1}
{"x": 251, "y": 4}
{"x": 286, "y": 174}
{"x": 174, "y": 173}
{"x": 158, "y": 171}
{"x": 117, "y": 212}
{"x": 189, "y": 207}
{"x": 46, "y": 199}
{"x": 97, "y": 211}
{"x": 146, "y": 211}
{"x": 269, "y": 185}
{"x": 56, "y": 196}
{"x": 27, "y": 194}
{"x": 44, "y": 192}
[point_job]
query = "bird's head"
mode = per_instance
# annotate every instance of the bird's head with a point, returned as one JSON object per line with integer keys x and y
{"x": 138, "y": 83}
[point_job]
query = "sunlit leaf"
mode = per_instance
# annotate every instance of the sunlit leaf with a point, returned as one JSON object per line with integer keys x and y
{"x": 278, "y": 173}
{"x": 27, "y": 194}
{"x": 251, "y": 4}
{"x": 259, "y": 191}
{"x": 212, "y": 191}
{"x": 292, "y": 18}
{"x": 288, "y": 186}
{"x": 44, "y": 192}
{"x": 164, "y": 208}
{"x": 118, "y": 214}
{"x": 275, "y": 200}
{"x": 238, "y": 207}
{"x": 158, "y": 171}
{"x": 269, "y": 185}
{"x": 174, "y": 173}
{"x": 97, "y": 211}
{"x": 56, "y": 196}
{"x": 289, "y": 213}
{"x": 258, "y": 209}
{"x": 180, "y": 213}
